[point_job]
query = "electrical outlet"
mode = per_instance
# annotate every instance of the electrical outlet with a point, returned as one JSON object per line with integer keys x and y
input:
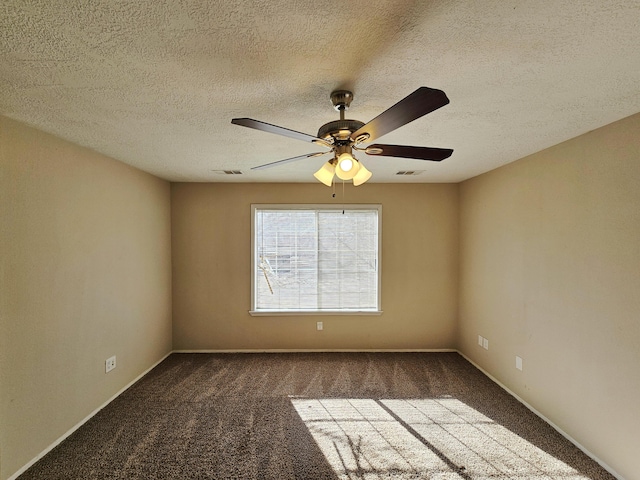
{"x": 485, "y": 344}
{"x": 480, "y": 340}
{"x": 518, "y": 363}
{"x": 319, "y": 326}
{"x": 109, "y": 364}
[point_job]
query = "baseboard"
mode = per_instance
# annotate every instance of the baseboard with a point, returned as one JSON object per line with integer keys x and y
{"x": 83, "y": 421}
{"x": 321, "y": 350}
{"x": 556, "y": 427}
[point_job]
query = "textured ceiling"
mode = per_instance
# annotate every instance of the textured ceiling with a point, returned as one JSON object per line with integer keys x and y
{"x": 155, "y": 83}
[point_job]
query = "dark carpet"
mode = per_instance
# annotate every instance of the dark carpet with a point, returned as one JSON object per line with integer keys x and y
{"x": 315, "y": 416}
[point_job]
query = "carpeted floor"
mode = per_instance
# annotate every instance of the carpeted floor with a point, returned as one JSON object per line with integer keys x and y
{"x": 315, "y": 416}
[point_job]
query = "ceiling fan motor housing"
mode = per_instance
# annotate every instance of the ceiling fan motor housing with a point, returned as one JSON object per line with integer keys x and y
{"x": 339, "y": 130}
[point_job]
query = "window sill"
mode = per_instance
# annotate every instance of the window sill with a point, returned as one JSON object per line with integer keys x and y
{"x": 300, "y": 313}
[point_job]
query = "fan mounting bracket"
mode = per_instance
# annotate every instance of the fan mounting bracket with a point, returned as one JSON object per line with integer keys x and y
{"x": 341, "y": 99}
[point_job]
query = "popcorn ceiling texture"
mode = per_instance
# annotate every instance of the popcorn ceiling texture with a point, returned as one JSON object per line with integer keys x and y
{"x": 156, "y": 83}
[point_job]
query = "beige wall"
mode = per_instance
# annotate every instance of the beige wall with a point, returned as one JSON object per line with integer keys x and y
{"x": 550, "y": 271}
{"x": 84, "y": 274}
{"x": 211, "y": 228}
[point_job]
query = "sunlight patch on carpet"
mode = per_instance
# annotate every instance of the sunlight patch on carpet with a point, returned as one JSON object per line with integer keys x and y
{"x": 408, "y": 439}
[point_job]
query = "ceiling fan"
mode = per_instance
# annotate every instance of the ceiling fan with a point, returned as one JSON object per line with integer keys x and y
{"x": 344, "y": 136}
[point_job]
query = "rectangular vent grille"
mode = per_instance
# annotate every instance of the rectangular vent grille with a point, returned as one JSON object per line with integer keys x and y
{"x": 409, "y": 172}
{"x": 228, "y": 172}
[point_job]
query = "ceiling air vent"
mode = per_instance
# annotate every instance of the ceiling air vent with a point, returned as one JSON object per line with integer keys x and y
{"x": 228, "y": 172}
{"x": 409, "y": 172}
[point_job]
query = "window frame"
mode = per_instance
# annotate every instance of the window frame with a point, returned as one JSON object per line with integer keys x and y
{"x": 287, "y": 206}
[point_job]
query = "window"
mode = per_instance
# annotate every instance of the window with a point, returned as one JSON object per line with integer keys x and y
{"x": 315, "y": 259}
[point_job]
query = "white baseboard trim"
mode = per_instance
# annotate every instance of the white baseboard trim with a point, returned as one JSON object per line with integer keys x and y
{"x": 320, "y": 350}
{"x": 556, "y": 427}
{"x": 84, "y": 420}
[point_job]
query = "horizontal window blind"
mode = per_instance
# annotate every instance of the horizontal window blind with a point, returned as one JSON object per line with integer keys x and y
{"x": 320, "y": 259}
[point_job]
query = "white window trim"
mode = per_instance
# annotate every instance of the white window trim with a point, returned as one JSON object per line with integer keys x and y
{"x": 288, "y": 206}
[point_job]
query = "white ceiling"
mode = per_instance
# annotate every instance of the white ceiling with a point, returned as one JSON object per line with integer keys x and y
{"x": 155, "y": 83}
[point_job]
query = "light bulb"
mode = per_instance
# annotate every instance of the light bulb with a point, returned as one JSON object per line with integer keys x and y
{"x": 347, "y": 166}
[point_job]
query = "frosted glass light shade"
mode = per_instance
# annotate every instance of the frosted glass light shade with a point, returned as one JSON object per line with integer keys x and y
{"x": 325, "y": 174}
{"x": 347, "y": 167}
{"x": 362, "y": 176}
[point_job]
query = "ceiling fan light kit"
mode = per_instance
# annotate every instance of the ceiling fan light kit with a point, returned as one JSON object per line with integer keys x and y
{"x": 344, "y": 136}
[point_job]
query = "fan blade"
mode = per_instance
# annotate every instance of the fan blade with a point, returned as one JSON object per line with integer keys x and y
{"x": 424, "y": 100}
{"x": 267, "y": 127}
{"x": 287, "y": 160}
{"x": 405, "y": 151}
